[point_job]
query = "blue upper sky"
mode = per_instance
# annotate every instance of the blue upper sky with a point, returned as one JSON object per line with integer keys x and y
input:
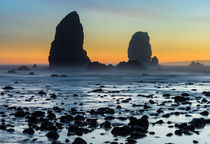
{"x": 33, "y": 22}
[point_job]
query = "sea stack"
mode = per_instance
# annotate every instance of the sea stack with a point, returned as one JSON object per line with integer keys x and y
{"x": 140, "y": 49}
{"x": 67, "y": 46}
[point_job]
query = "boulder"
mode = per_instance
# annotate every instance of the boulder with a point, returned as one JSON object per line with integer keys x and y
{"x": 67, "y": 47}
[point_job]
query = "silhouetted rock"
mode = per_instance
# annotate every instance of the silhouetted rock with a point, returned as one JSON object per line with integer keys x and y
{"x": 67, "y": 47}
{"x": 79, "y": 140}
{"x": 23, "y": 68}
{"x": 11, "y": 71}
{"x": 140, "y": 49}
{"x": 31, "y": 73}
{"x": 96, "y": 66}
{"x": 121, "y": 131}
{"x": 154, "y": 61}
{"x": 34, "y": 66}
{"x": 135, "y": 65}
{"x": 28, "y": 131}
{"x": 196, "y": 65}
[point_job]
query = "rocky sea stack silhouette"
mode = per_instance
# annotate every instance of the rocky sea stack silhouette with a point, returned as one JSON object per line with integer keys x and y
{"x": 67, "y": 47}
{"x": 140, "y": 49}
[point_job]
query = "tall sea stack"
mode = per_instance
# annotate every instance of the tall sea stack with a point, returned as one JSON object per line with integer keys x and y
{"x": 67, "y": 47}
{"x": 140, "y": 49}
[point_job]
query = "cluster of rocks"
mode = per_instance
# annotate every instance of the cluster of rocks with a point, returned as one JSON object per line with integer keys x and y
{"x": 24, "y": 68}
{"x": 130, "y": 65}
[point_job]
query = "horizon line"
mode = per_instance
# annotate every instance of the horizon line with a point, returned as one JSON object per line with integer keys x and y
{"x": 168, "y": 62}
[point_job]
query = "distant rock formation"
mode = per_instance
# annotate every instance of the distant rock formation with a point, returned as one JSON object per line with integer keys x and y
{"x": 130, "y": 65}
{"x": 23, "y": 68}
{"x": 196, "y": 65}
{"x": 34, "y": 66}
{"x": 97, "y": 66}
{"x": 67, "y": 47}
{"x": 155, "y": 61}
{"x": 140, "y": 49}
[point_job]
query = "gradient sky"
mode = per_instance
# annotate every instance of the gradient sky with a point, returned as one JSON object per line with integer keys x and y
{"x": 179, "y": 30}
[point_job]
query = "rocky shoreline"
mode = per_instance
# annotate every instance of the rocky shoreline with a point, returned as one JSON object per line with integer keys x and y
{"x": 123, "y": 111}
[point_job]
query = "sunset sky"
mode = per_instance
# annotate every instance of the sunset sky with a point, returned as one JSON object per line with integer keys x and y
{"x": 179, "y": 30}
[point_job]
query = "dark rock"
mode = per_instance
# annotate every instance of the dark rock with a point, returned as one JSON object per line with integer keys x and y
{"x": 97, "y": 90}
{"x": 131, "y": 140}
{"x": 96, "y": 66}
{"x": 73, "y": 129}
{"x": 42, "y": 92}
{"x": 204, "y": 100}
{"x": 151, "y": 102}
{"x": 11, "y": 71}
{"x": 121, "y": 131}
{"x": 57, "y": 109}
{"x": 140, "y": 49}
{"x": 33, "y": 119}
{"x": 19, "y": 113}
{"x": 35, "y": 66}
{"x": 92, "y": 122}
{"x": 185, "y": 94}
{"x": 159, "y": 122}
{"x": 130, "y": 65}
{"x": 169, "y": 134}
{"x": 47, "y": 125}
{"x": 178, "y": 132}
{"x": 180, "y": 99}
{"x": 23, "y": 68}
{"x": 137, "y": 134}
{"x": 206, "y": 93}
{"x": 66, "y": 118}
{"x": 154, "y": 61}
{"x": 29, "y": 131}
{"x": 67, "y": 47}
{"x": 10, "y": 130}
{"x": 52, "y": 135}
{"x": 79, "y": 117}
{"x": 31, "y": 73}
{"x": 109, "y": 118}
{"x": 7, "y": 88}
{"x": 205, "y": 113}
{"x": 151, "y": 133}
{"x": 105, "y": 110}
{"x": 196, "y": 65}
{"x": 198, "y": 122}
{"x": 38, "y": 114}
{"x": 67, "y": 140}
{"x": 79, "y": 141}
{"x": 53, "y": 96}
{"x": 54, "y": 75}
{"x": 142, "y": 122}
{"x": 166, "y": 95}
{"x": 106, "y": 125}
